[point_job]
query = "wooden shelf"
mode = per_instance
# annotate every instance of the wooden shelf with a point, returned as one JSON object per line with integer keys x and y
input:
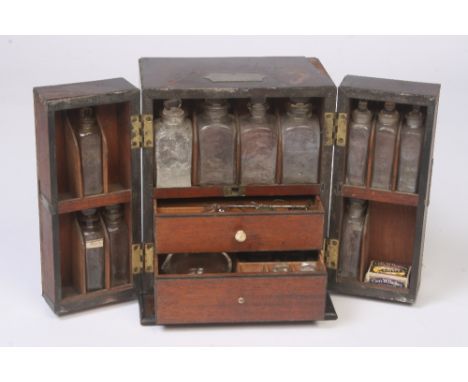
{"x": 392, "y": 197}
{"x": 117, "y": 195}
{"x": 69, "y": 294}
{"x": 220, "y": 191}
{"x": 356, "y": 285}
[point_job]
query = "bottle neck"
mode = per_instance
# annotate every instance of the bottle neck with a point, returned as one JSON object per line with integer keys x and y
{"x": 389, "y": 115}
{"x": 113, "y": 216}
{"x": 258, "y": 110}
{"x": 173, "y": 115}
{"x": 414, "y": 119}
{"x": 356, "y": 209}
{"x": 300, "y": 110}
{"x": 216, "y": 109}
{"x": 88, "y": 123}
{"x": 362, "y": 113}
{"x": 89, "y": 219}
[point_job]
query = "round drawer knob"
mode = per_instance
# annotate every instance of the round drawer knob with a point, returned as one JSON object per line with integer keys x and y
{"x": 240, "y": 236}
{"x": 241, "y": 300}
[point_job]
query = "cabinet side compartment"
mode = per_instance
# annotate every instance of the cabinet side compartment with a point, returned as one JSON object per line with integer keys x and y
{"x": 396, "y": 219}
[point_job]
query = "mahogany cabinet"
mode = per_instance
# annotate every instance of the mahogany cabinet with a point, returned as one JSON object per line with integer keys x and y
{"x": 302, "y": 222}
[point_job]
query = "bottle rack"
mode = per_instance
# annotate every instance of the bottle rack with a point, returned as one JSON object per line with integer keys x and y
{"x": 115, "y": 134}
{"x": 112, "y": 120}
{"x": 367, "y": 192}
{"x": 394, "y": 221}
{"x": 238, "y": 108}
{"x": 61, "y": 188}
{"x": 72, "y": 258}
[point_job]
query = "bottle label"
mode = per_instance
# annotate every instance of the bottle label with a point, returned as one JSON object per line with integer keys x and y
{"x": 96, "y": 243}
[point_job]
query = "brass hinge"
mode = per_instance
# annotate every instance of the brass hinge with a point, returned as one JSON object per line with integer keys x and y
{"x": 137, "y": 258}
{"x": 329, "y": 129}
{"x": 136, "y": 137}
{"x": 335, "y": 129}
{"x": 332, "y": 247}
{"x": 149, "y": 257}
{"x": 148, "y": 134}
{"x": 341, "y": 126}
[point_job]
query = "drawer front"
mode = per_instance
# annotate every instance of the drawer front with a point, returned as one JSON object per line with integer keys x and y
{"x": 239, "y": 233}
{"x": 240, "y": 299}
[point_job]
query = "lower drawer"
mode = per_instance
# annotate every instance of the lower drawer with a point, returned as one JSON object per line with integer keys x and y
{"x": 235, "y": 299}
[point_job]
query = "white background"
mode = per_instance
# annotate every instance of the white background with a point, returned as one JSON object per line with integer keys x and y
{"x": 440, "y": 314}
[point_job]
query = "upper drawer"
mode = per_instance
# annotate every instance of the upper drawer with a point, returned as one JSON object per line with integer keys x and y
{"x": 248, "y": 231}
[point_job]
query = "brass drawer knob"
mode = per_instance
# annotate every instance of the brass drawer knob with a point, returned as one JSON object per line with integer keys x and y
{"x": 241, "y": 300}
{"x": 240, "y": 236}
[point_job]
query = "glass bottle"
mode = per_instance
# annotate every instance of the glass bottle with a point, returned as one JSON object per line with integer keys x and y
{"x": 385, "y": 136}
{"x": 217, "y": 144}
{"x": 118, "y": 234}
{"x": 300, "y": 130}
{"x": 258, "y": 133}
{"x": 358, "y": 145}
{"x": 197, "y": 263}
{"x": 173, "y": 149}
{"x": 279, "y": 267}
{"x": 94, "y": 249}
{"x": 410, "y": 151}
{"x": 90, "y": 143}
{"x": 350, "y": 247}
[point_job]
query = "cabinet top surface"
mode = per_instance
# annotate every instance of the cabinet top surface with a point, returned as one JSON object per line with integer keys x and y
{"x": 234, "y": 75}
{"x": 113, "y": 86}
{"x": 390, "y": 87}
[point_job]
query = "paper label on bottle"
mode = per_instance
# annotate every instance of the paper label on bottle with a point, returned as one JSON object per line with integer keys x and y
{"x": 235, "y": 77}
{"x": 96, "y": 243}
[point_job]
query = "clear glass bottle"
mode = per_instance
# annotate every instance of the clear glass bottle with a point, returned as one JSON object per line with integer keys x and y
{"x": 93, "y": 248}
{"x": 258, "y": 133}
{"x": 280, "y": 267}
{"x": 350, "y": 246}
{"x": 173, "y": 146}
{"x": 358, "y": 145}
{"x": 118, "y": 234}
{"x": 385, "y": 137}
{"x": 197, "y": 263}
{"x": 300, "y": 130}
{"x": 410, "y": 151}
{"x": 217, "y": 144}
{"x": 90, "y": 143}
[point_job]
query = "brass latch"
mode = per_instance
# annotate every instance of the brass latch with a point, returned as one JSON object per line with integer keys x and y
{"x": 148, "y": 137}
{"x": 331, "y": 253}
{"x": 149, "y": 257}
{"x": 136, "y": 132}
{"x": 234, "y": 191}
{"x": 137, "y": 258}
{"x": 341, "y": 125}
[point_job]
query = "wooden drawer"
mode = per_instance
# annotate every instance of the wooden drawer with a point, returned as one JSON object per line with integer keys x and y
{"x": 239, "y": 233}
{"x": 235, "y": 298}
